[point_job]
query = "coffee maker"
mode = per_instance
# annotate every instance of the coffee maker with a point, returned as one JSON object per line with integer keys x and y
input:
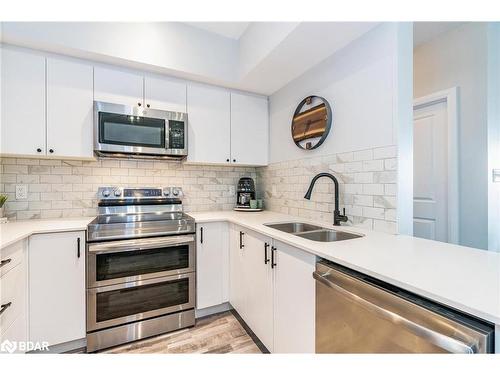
{"x": 245, "y": 192}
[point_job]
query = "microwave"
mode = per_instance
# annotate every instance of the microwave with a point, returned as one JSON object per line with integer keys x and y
{"x": 129, "y": 131}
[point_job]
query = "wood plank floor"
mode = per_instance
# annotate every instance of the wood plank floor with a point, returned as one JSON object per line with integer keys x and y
{"x": 219, "y": 333}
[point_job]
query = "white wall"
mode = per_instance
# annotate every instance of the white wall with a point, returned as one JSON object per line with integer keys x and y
{"x": 459, "y": 58}
{"x": 493, "y": 134}
{"x": 358, "y": 81}
{"x": 172, "y": 47}
{"x": 368, "y": 84}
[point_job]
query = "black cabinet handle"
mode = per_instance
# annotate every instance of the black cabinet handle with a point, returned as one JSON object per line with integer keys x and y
{"x": 227, "y": 160}
{"x": 139, "y": 104}
{"x": 78, "y": 247}
{"x": 273, "y": 264}
{"x": 234, "y": 160}
{"x": 147, "y": 105}
{"x": 266, "y": 259}
{"x": 241, "y": 240}
{"x": 38, "y": 150}
{"x": 201, "y": 235}
{"x": 51, "y": 151}
{"x": 4, "y": 307}
{"x": 4, "y": 262}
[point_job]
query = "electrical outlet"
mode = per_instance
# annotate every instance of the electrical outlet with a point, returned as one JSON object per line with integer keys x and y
{"x": 21, "y": 192}
{"x": 232, "y": 191}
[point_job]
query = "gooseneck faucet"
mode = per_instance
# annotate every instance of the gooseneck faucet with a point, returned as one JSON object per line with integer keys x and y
{"x": 337, "y": 217}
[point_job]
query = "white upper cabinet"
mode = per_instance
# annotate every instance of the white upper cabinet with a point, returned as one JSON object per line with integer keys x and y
{"x": 249, "y": 129}
{"x": 209, "y": 126}
{"x": 69, "y": 108}
{"x": 23, "y": 103}
{"x": 118, "y": 86}
{"x": 164, "y": 93}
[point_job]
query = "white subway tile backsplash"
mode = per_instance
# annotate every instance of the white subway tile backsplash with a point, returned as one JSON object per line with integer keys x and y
{"x": 283, "y": 186}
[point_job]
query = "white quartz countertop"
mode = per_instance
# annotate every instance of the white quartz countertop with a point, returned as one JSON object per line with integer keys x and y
{"x": 461, "y": 277}
{"x": 18, "y": 230}
{"x": 464, "y": 278}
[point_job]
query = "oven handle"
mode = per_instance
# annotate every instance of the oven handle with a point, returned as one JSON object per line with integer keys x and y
{"x": 139, "y": 244}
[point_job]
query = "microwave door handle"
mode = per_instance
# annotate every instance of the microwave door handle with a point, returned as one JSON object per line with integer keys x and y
{"x": 445, "y": 342}
{"x": 139, "y": 244}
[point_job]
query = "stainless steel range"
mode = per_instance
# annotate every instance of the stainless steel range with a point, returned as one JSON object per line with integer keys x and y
{"x": 140, "y": 266}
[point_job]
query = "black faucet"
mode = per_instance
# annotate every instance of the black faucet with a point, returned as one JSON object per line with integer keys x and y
{"x": 337, "y": 217}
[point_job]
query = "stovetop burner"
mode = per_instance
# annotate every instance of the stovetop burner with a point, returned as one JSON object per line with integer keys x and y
{"x": 126, "y": 213}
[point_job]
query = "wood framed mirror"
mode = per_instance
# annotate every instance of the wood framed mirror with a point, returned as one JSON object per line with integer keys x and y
{"x": 311, "y": 122}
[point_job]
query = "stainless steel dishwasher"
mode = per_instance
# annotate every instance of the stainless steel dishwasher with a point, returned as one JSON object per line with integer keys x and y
{"x": 358, "y": 314}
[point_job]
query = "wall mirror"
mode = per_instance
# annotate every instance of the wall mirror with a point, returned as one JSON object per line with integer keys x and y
{"x": 311, "y": 122}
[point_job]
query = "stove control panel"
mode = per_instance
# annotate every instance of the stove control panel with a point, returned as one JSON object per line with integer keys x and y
{"x": 125, "y": 193}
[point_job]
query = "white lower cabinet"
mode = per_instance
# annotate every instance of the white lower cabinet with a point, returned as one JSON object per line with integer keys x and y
{"x": 57, "y": 287}
{"x": 272, "y": 288}
{"x": 294, "y": 300}
{"x": 211, "y": 264}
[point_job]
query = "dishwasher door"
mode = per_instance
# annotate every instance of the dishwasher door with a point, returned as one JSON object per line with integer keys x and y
{"x": 356, "y": 316}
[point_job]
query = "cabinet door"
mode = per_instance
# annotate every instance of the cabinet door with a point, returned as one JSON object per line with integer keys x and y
{"x": 236, "y": 277}
{"x": 211, "y": 264}
{"x": 259, "y": 287}
{"x": 294, "y": 300}
{"x": 118, "y": 86}
{"x": 163, "y": 93}
{"x": 23, "y": 103}
{"x": 209, "y": 124}
{"x": 70, "y": 98}
{"x": 57, "y": 287}
{"x": 249, "y": 129}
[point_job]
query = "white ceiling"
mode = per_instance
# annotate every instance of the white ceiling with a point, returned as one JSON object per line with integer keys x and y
{"x": 232, "y": 30}
{"x": 424, "y": 32}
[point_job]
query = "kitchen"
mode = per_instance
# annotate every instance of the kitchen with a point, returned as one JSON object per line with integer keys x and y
{"x": 149, "y": 199}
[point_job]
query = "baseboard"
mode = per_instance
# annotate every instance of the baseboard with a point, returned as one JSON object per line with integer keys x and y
{"x": 250, "y": 333}
{"x": 200, "y": 313}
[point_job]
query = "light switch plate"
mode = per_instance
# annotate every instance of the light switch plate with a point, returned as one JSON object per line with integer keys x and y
{"x": 496, "y": 175}
{"x": 21, "y": 192}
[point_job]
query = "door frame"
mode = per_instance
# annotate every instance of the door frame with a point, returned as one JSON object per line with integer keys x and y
{"x": 450, "y": 97}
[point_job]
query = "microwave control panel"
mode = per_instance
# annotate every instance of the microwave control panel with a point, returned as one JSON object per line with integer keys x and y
{"x": 176, "y": 134}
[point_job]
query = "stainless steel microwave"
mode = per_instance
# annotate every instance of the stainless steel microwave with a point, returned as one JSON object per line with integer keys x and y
{"x": 127, "y": 131}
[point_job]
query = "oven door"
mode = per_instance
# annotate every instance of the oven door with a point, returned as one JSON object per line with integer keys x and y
{"x": 116, "y": 262}
{"x": 125, "y": 303}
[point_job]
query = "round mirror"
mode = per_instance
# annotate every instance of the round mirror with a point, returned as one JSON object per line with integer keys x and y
{"x": 311, "y": 122}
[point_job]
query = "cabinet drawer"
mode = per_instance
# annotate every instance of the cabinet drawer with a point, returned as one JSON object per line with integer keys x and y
{"x": 11, "y": 256}
{"x": 13, "y": 292}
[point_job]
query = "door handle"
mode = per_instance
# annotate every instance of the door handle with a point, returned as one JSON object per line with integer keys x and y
{"x": 201, "y": 234}
{"x": 241, "y": 240}
{"x": 273, "y": 250}
{"x": 5, "y": 262}
{"x": 266, "y": 259}
{"x": 78, "y": 247}
{"x": 5, "y": 307}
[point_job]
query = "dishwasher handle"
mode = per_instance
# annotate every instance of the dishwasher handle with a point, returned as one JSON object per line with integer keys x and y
{"x": 443, "y": 341}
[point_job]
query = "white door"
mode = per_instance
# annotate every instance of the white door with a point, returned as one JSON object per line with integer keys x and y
{"x": 249, "y": 129}
{"x": 69, "y": 108}
{"x": 294, "y": 300}
{"x": 23, "y": 103}
{"x": 430, "y": 169}
{"x": 163, "y": 93}
{"x": 57, "y": 287}
{"x": 209, "y": 124}
{"x": 211, "y": 265}
{"x": 113, "y": 85}
{"x": 258, "y": 276}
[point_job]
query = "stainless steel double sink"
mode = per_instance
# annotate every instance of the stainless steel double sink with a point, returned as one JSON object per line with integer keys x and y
{"x": 314, "y": 232}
